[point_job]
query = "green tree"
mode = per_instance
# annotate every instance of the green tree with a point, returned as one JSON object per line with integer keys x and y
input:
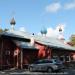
{"x": 1, "y": 30}
{"x": 6, "y": 29}
{"x": 72, "y": 40}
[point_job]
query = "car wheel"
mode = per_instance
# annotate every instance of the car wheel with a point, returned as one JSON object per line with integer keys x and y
{"x": 49, "y": 70}
{"x": 30, "y": 69}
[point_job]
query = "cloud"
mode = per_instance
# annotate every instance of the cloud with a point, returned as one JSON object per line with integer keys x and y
{"x": 52, "y": 32}
{"x": 62, "y": 26}
{"x": 22, "y": 29}
{"x": 55, "y": 32}
{"x": 69, "y": 5}
{"x": 54, "y": 7}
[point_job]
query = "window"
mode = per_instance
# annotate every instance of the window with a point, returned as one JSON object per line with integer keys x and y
{"x": 67, "y": 58}
{"x": 7, "y": 52}
{"x": 47, "y": 61}
{"x": 62, "y": 58}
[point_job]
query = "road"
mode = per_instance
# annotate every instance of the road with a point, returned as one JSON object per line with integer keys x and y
{"x": 24, "y": 72}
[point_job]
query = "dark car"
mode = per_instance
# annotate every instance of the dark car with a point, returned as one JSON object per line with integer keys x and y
{"x": 48, "y": 65}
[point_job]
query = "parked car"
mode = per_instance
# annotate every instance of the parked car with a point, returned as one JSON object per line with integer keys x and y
{"x": 48, "y": 65}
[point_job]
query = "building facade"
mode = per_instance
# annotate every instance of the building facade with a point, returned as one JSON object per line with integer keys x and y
{"x": 19, "y": 50}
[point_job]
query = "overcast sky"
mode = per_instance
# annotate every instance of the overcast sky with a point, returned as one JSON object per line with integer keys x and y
{"x": 32, "y": 15}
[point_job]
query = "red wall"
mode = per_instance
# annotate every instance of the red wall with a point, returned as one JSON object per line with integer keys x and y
{"x": 44, "y": 51}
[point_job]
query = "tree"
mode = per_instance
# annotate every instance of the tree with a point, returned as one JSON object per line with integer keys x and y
{"x": 5, "y": 30}
{"x": 72, "y": 40}
{"x": 1, "y": 30}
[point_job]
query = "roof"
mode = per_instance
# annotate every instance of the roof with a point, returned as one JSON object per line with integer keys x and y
{"x": 24, "y": 45}
{"x": 53, "y": 42}
{"x": 19, "y": 35}
{"x": 16, "y": 35}
{"x": 49, "y": 41}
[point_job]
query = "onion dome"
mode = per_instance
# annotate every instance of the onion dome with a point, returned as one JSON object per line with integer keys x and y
{"x": 43, "y": 31}
{"x": 60, "y": 29}
{"x": 13, "y": 21}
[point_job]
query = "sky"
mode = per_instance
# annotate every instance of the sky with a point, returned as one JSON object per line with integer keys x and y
{"x": 33, "y": 15}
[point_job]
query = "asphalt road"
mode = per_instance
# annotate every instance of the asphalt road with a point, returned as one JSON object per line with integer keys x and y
{"x": 24, "y": 72}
